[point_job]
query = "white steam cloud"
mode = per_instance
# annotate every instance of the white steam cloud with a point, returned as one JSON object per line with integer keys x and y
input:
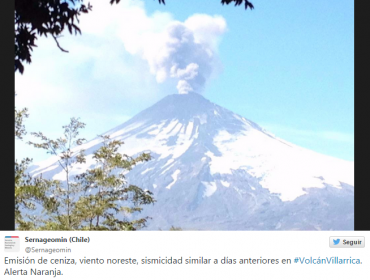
{"x": 182, "y": 51}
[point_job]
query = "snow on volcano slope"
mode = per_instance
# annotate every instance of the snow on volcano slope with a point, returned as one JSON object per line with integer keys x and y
{"x": 213, "y": 169}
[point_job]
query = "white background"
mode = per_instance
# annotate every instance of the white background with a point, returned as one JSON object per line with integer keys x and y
{"x": 215, "y": 244}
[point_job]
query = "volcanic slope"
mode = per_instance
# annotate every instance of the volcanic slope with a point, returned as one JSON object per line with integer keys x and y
{"x": 215, "y": 170}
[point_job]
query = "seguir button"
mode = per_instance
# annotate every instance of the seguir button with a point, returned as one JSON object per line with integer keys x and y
{"x": 347, "y": 242}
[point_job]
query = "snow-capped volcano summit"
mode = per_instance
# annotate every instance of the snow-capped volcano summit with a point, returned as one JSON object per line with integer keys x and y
{"x": 215, "y": 170}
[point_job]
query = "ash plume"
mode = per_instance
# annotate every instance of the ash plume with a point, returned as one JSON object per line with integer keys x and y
{"x": 182, "y": 51}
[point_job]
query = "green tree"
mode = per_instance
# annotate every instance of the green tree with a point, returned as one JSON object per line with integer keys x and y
{"x": 31, "y": 197}
{"x": 28, "y": 192}
{"x": 173, "y": 228}
{"x": 109, "y": 199}
{"x": 34, "y": 18}
{"x": 98, "y": 199}
{"x": 65, "y": 193}
{"x": 20, "y": 130}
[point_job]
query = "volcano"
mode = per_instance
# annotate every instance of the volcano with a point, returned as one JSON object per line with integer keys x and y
{"x": 212, "y": 169}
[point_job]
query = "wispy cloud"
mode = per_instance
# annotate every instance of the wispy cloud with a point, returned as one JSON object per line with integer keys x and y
{"x": 337, "y": 136}
{"x": 114, "y": 68}
{"x": 314, "y": 135}
{"x": 183, "y": 51}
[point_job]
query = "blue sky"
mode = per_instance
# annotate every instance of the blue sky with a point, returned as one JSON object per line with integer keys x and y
{"x": 286, "y": 65}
